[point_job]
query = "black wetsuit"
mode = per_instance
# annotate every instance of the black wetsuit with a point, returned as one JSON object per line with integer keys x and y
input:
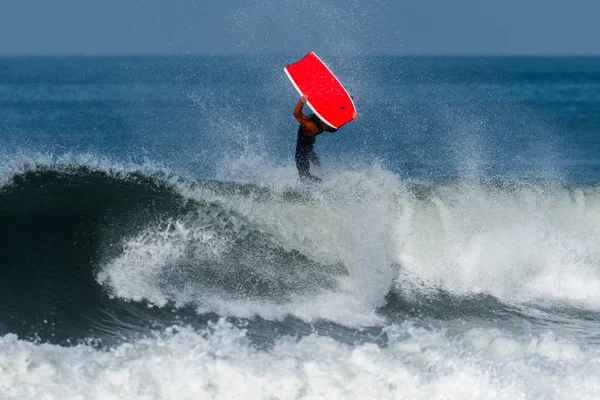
{"x": 305, "y": 152}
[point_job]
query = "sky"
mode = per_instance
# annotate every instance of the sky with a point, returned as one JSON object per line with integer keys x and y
{"x": 355, "y": 27}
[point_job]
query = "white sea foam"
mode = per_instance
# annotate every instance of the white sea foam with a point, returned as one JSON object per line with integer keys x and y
{"x": 529, "y": 244}
{"x": 221, "y": 363}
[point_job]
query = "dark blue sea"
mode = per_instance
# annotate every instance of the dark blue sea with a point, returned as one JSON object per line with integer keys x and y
{"x": 156, "y": 242}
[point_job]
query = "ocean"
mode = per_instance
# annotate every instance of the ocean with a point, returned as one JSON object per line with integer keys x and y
{"x": 156, "y": 242}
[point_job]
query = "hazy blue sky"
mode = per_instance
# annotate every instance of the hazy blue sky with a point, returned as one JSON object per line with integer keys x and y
{"x": 282, "y": 26}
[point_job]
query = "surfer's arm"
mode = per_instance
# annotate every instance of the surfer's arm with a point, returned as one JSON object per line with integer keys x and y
{"x": 311, "y": 128}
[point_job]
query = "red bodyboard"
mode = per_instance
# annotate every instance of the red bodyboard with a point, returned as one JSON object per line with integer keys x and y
{"x": 326, "y": 95}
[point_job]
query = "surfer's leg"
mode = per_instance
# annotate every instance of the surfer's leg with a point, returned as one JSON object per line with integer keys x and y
{"x": 303, "y": 165}
{"x": 313, "y": 178}
{"x": 314, "y": 158}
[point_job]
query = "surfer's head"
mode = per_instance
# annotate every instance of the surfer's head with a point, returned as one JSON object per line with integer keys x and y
{"x": 327, "y": 128}
{"x": 322, "y": 124}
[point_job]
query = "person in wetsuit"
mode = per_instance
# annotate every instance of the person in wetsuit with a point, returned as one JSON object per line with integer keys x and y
{"x": 308, "y": 130}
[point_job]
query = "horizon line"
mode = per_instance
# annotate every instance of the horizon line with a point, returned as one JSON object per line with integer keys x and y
{"x": 209, "y": 54}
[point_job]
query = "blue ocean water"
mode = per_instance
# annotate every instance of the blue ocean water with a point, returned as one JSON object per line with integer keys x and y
{"x": 156, "y": 241}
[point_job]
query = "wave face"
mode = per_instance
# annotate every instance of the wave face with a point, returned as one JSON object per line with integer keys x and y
{"x": 88, "y": 249}
{"x": 57, "y": 224}
{"x": 107, "y": 252}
